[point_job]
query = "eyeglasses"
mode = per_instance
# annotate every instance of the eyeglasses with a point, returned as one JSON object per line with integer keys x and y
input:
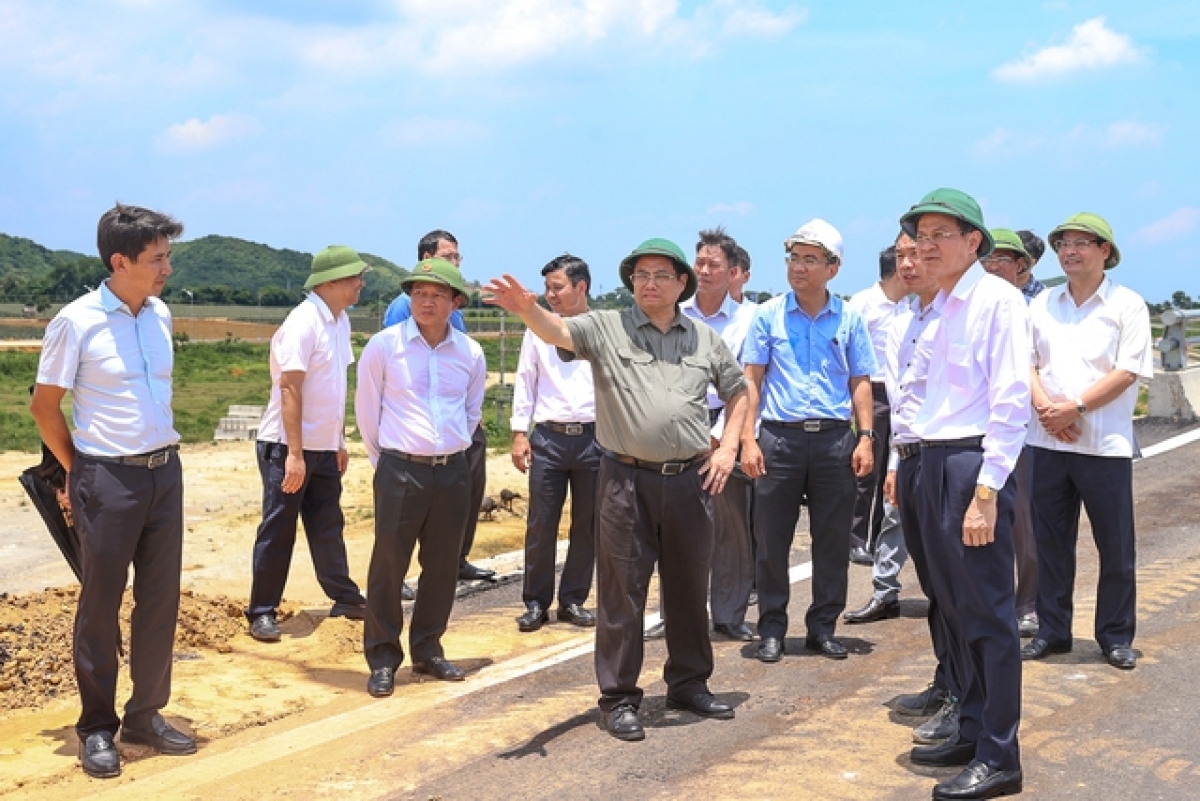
{"x": 936, "y": 238}
{"x": 998, "y": 261}
{"x": 810, "y": 261}
{"x": 653, "y": 278}
{"x": 1072, "y": 244}
{"x": 454, "y": 258}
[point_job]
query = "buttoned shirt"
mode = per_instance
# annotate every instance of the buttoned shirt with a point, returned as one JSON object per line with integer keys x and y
{"x": 651, "y": 386}
{"x": 878, "y": 311}
{"x": 314, "y": 342}
{"x": 400, "y": 310}
{"x": 979, "y": 372}
{"x": 1076, "y": 346}
{"x": 419, "y": 399}
{"x": 1032, "y": 289}
{"x": 117, "y": 367}
{"x": 732, "y": 322}
{"x": 549, "y": 389}
{"x": 909, "y": 346}
{"x": 809, "y": 361}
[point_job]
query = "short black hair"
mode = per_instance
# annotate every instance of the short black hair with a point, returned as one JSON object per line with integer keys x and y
{"x": 887, "y": 262}
{"x": 576, "y": 268}
{"x": 1034, "y": 245}
{"x": 129, "y": 230}
{"x": 743, "y": 259}
{"x": 429, "y": 242}
{"x": 717, "y": 238}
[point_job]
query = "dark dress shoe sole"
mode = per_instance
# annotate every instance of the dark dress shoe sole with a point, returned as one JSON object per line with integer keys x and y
{"x": 100, "y": 771}
{"x": 881, "y": 612}
{"x": 942, "y": 756}
{"x": 633, "y": 736}
{"x": 1043, "y": 650}
{"x": 349, "y": 611}
{"x": 1001, "y": 783}
{"x": 104, "y": 764}
{"x": 576, "y": 620}
{"x": 158, "y": 743}
{"x": 527, "y": 625}
{"x": 723, "y": 712}
{"x": 743, "y": 634}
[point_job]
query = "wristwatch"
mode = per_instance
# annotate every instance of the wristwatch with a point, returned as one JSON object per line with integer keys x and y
{"x": 1080, "y": 406}
{"x": 868, "y": 433}
{"x": 984, "y": 493}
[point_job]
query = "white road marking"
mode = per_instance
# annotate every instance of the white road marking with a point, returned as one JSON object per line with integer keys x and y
{"x": 1171, "y": 444}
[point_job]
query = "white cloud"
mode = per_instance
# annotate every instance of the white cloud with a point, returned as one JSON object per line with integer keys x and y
{"x": 1006, "y": 142}
{"x": 1131, "y": 133}
{"x": 423, "y": 131}
{"x": 1176, "y": 225}
{"x": 1092, "y": 46}
{"x": 741, "y": 208}
{"x": 193, "y": 136}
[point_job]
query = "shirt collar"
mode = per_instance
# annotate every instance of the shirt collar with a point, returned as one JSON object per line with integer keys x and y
{"x": 640, "y": 319}
{"x": 410, "y": 331}
{"x": 968, "y": 281}
{"x": 729, "y": 307}
{"x": 111, "y": 303}
{"x": 833, "y": 304}
{"x": 319, "y": 302}
{"x": 1103, "y": 292}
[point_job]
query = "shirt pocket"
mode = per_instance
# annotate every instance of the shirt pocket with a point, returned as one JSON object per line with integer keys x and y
{"x": 696, "y": 375}
{"x": 638, "y": 372}
{"x": 1098, "y": 342}
{"x": 958, "y": 364}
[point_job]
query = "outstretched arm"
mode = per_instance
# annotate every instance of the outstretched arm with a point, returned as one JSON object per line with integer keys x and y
{"x": 508, "y": 294}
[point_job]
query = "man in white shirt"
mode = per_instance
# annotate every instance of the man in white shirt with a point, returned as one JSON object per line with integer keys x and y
{"x": 111, "y": 349}
{"x": 972, "y": 428}
{"x": 740, "y": 276}
{"x": 1091, "y": 344}
{"x": 875, "y": 535}
{"x": 302, "y": 444}
{"x": 419, "y": 398}
{"x": 732, "y": 564}
{"x": 558, "y": 399}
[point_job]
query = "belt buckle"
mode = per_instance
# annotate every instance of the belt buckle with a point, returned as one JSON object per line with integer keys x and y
{"x": 158, "y": 459}
{"x": 573, "y": 429}
{"x": 439, "y": 461}
{"x": 812, "y": 426}
{"x": 672, "y": 468}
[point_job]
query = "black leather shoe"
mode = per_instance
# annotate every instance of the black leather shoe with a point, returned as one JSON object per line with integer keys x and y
{"x": 407, "y": 593}
{"x": 827, "y": 647}
{"x": 98, "y": 756}
{"x": 349, "y": 611}
{"x": 874, "y": 610}
{"x": 939, "y": 728}
{"x": 468, "y": 572}
{"x": 861, "y": 556}
{"x": 382, "y": 681}
{"x": 576, "y": 615}
{"x": 770, "y": 650}
{"x": 954, "y": 752}
{"x": 622, "y": 723}
{"x": 534, "y": 618}
{"x": 1038, "y": 648}
{"x": 264, "y": 629}
{"x": 1122, "y": 657}
{"x": 656, "y": 632}
{"x": 440, "y": 669}
{"x": 979, "y": 781}
{"x": 922, "y": 704}
{"x": 162, "y": 737}
{"x": 703, "y": 704}
{"x": 737, "y": 631}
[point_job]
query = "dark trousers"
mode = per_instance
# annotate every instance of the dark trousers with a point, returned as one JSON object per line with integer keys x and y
{"x": 803, "y": 465}
{"x": 974, "y": 589}
{"x": 732, "y": 575}
{"x": 908, "y": 478}
{"x": 561, "y": 461}
{"x": 477, "y": 459}
{"x": 414, "y": 503}
{"x": 643, "y": 518}
{"x": 126, "y": 515}
{"x": 318, "y": 503}
{"x": 867, "y": 519}
{"x": 1104, "y": 486}
{"x": 1024, "y": 541}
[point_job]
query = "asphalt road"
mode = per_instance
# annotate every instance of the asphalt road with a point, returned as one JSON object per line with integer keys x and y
{"x": 525, "y": 726}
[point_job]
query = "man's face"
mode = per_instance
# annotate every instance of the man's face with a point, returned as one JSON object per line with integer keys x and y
{"x": 656, "y": 285}
{"x": 713, "y": 272}
{"x": 349, "y": 288}
{"x": 564, "y": 297}
{"x": 147, "y": 274}
{"x": 432, "y": 303}
{"x": 449, "y": 251}
{"x": 944, "y": 249}
{"x": 910, "y": 269}
{"x": 1004, "y": 264}
{"x": 809, "y": 269}
{"x": 738, "y": 278}
{"x": 1081, "y": 254}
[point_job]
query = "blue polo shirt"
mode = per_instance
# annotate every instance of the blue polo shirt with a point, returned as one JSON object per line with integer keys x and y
{"x": 401, "y": 309}
{"x": 809, "y": 361}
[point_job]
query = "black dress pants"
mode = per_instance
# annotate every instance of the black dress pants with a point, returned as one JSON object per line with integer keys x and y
{"x": 414, "y": 503}
{"x": 867, "y": 520}
{"x": 561, "y": 461}
{"x": 477, "y": 460}
{"x": 643, "y": 518}
{"x": 126, "y": 515}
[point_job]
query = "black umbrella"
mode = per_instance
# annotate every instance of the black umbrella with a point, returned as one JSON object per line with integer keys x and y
{"x": 42, "y": 483}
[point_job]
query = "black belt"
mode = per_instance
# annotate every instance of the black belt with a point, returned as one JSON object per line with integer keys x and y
{"x": 811, "y": 426}
{"x": 963, "y": 442}
{"x": 907, "y": 450}
{"x": 149, "y": 460}
{"x": 662, "y": 468}
{"x": 570, "y": 429}
{"x": 432, "y": 461}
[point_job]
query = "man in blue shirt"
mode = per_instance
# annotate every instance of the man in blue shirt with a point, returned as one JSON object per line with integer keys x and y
{"x": 808, "y": 364}
{"x": 439, "y": 244}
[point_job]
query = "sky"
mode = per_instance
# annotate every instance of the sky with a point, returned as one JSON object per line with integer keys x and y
{"x": 533, "y": 127}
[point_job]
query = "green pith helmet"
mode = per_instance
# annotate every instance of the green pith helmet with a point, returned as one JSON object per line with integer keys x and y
{"x": 1092, "y": 224}
{"x": 1007, "y": 239}
{"x": 659, "y": 247}
{"x": 952, "y": 203}
{"x": 435, "y": 271}
{"x": 333, "y": 263}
